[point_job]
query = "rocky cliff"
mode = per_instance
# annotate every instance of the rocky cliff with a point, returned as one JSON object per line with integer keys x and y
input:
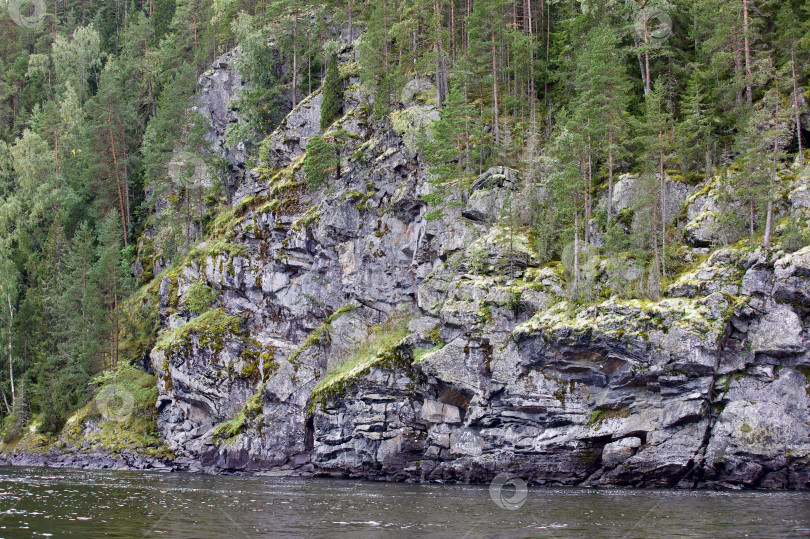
{"x": 356, "y": 330}
{"x": 359, "y": 332}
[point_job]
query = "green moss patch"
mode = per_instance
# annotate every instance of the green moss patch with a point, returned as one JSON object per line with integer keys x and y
{"x": 120, "y": 417}
{"x": 384, "y": 347}
{"x": 251, "y": 413}
{"x": 211, "y": 328}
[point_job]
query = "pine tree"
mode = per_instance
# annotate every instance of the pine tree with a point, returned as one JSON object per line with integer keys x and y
{"x": 485, "y": 26}
{"x": 112, "y": 117}
{"x": 791, "y": 43}
{"x": 259, "y": 96}
{"x": 80, "y": 315}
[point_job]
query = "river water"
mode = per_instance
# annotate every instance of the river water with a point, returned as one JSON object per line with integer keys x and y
{"x": 53, "y": 502}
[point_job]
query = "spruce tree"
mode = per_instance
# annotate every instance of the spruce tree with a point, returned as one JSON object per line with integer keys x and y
{"x": 694, "y": 137}
{"x": 111, "y": 282}
{"x": 568, "y": 187}
{"x": 320, "y": 161}
{"x": 332, "y": 105}
{"x": 80, "y": 314}
{"x": 447, "y": 147}
{"x": 601, "y": 83}
{"x": 653, "y": 135}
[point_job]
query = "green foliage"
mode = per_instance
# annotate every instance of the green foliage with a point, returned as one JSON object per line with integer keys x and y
{"x": 226, "y": 431}
{"x": 15, "y": 422}
{"x": 420, "y": 353}
{"x": 133, "y": 428}
{"x": 97, "y": 112}
{"x": 434, "y": 215}
{"x": 695, "y": 138}
{"x": 332, "y": 105}
{"x": 210, "y": 328}
{"x": 449, "y": 146}
{"x": 320, "y": 161}
{"x": 795, "y": 235}
{"x": 259, "y": 98}
{"x": 380, "y": 339}
{"x": 199, "y": 297}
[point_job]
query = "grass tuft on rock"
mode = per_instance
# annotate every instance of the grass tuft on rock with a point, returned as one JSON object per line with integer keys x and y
{"x": 382, "y": 338}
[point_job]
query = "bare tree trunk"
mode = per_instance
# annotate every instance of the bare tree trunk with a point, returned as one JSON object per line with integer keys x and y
{"x": 796, "y": 103}
{"x": 295, "y": 59}
{"x": 663, "y": 212}
{"x": 751, "y": 217}
{"x": 437, "y": 49}
{"x": 748, "y": 93}
{"x": 646, "y": 49}
{"x": 10, "y": 365}
{"x": 56, "y": 147}
{"x": 125, "y": 175}
{"x": 766, "y": 241}
{"x": 527, "y": 18}
{"x": 452, "y": 29}
{"x": 117, "y": 179}
{"x": 200, "y": 202}
{"x": 115, "y": 326}
{"x": 576, "y": 248}
{"x": 548, "y": 47}
{"x": 494, "y": 85}
{"x": 588, "y": 201}
{"x": 188, "y": 214}
{"x": 655, "y": 240}
{"x": 610, "y": 174}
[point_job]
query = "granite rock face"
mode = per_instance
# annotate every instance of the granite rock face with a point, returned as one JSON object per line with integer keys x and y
{"x": 218, "y": 89}
{"x": 496, "y": 371}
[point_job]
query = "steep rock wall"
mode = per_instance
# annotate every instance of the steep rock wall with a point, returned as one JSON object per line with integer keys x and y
{"x": 498, "y": 372}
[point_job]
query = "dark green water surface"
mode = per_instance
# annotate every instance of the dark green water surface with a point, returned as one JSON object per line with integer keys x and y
{"x": 41, "y": 502}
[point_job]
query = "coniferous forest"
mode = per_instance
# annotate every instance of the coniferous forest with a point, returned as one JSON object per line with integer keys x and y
{"x": 98, "y": 97}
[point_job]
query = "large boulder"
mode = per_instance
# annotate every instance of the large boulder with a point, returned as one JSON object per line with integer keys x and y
{"x": 617, "y": 452}
{"x": 625, "y": 195}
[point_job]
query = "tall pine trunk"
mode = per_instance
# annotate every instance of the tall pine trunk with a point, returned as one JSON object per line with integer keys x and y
{"x": 494, "y": 84}
{"x": 10, "y": 365}
{"x": 646, "y": 49}
{"x": 766, "y": 241}
{"x": 295, "y": 60}
{"x": 576, "y": 248}
{"x": 610, "y": 173}
{"x": 663, "y": 210}
{"x": 117, "y": 178}
{"x": 748, "y": 93}
{"x": 796, "y": 103}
